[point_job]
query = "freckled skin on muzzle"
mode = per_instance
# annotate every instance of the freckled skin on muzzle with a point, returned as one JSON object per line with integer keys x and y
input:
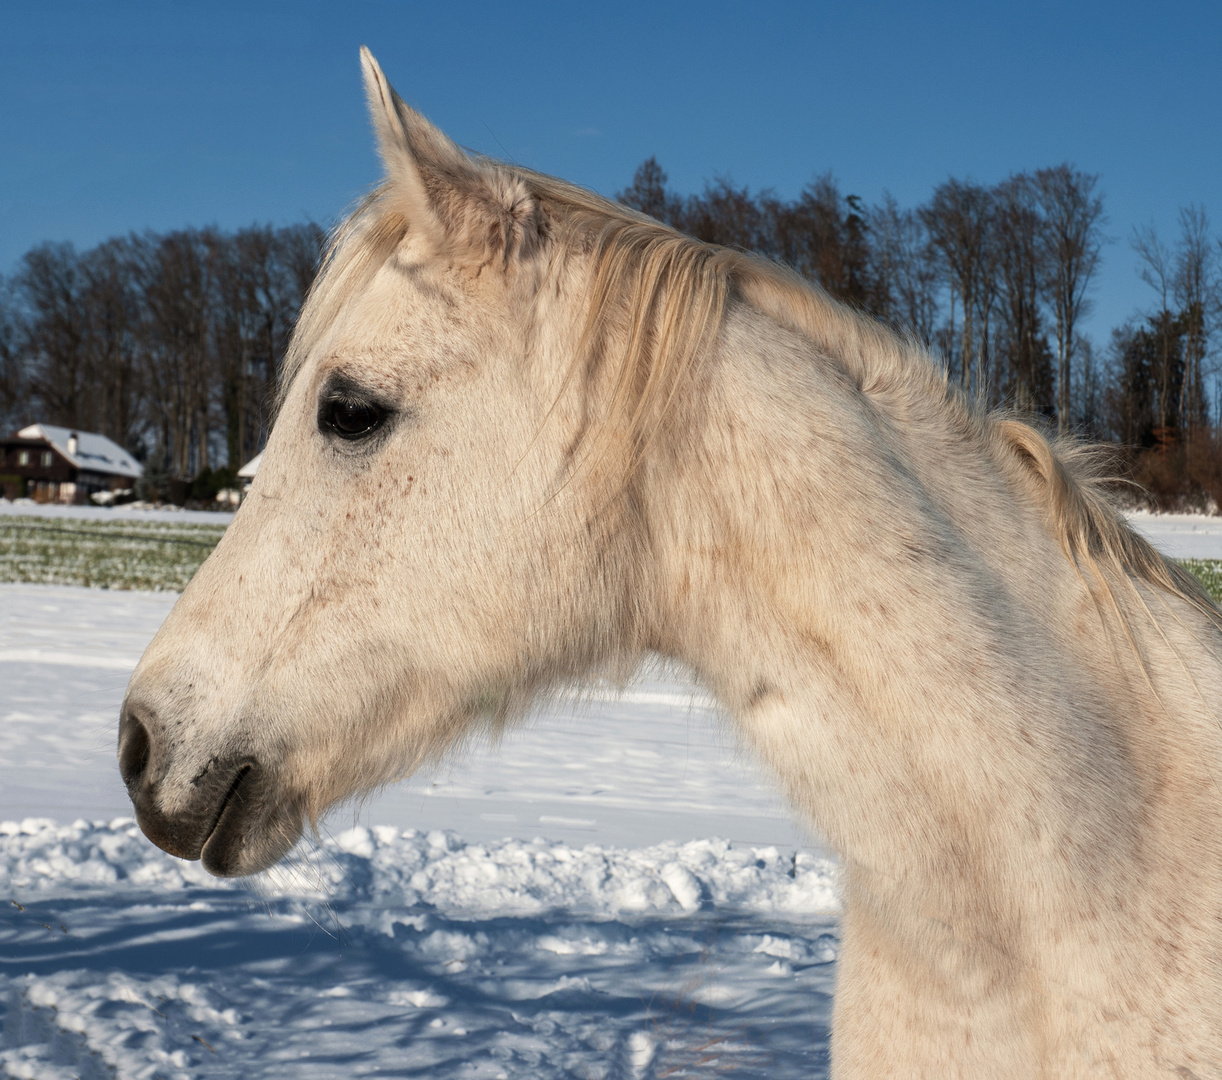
{"x": 231, "y": 822}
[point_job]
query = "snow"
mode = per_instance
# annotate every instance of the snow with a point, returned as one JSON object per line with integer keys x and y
{"x": 556, "y": 899}
{"x": 127, "y": 512}
{"x": 550, "y": 907}
{"x": 655, "y": 762}
{"x": 386, "y": 952}
{"x": 1181, "y": 536}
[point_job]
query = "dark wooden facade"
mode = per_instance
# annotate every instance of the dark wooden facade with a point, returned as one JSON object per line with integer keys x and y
{"x": 34, "y": 467}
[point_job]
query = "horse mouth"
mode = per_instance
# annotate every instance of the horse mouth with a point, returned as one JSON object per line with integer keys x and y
{"x": 233, "y": 798}
{"x": 247, "y": 830}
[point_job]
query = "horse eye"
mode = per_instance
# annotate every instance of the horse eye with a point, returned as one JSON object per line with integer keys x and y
{"x": 353, "y": 419}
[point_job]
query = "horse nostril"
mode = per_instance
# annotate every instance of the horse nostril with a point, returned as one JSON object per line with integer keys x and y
{"x": 134, "y": 747}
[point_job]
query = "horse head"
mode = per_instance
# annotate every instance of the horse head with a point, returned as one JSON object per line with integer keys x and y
{"x": 421, "y": 547}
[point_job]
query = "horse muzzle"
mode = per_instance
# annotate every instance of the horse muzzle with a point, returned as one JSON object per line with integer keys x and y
{"x": 226, "y": 815}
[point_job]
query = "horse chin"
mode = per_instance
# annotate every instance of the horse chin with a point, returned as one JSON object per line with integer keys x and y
{"x": 252, "y": 831}
{"x": 239, "y": 847}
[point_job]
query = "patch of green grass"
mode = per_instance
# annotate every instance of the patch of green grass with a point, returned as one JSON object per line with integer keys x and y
{"x": 1209, "y": 573}
{"x": 153, "y": 555}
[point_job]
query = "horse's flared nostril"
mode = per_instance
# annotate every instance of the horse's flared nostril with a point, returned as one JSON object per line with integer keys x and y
{"x": 134, "y": 749}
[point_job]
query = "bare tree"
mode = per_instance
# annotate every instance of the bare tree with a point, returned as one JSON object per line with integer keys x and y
{"x": 77, "y": 347}
{"x": 958, "y": 219}
{"x": 1022, "y": 274}
{"x": 177, "y": 286}
{"x": 1090, "y": 390}
{"x": 169, "y": 343}
{"x": 14, "y": 388}
{"x": 988, "y": 297}
{"x": 1073, "y": 224}
{"x": 50, "y": 285}
{"x": 1156, "y": 266}
{"x": 1195, "y": 288}
{"x": 726, "y": 215}
{"x": 824, "y": 235}
{"x": 112, "y": 314}
{"x": 301, "y": 249}
{"x": 906, "y": 269}
{"x": 261, "y": 277}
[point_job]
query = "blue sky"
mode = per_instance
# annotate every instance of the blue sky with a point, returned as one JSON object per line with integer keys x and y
{"x": 118, "y": 116}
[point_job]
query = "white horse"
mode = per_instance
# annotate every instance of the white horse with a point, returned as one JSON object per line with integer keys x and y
{"x": 526, "y": 435}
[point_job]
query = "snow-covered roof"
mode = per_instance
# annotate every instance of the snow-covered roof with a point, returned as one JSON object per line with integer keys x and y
{"x": 247, "y": 471}
{"x": 94, "y": 452}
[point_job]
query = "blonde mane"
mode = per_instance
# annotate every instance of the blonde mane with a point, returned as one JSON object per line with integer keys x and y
{"x": 658, "y": 297}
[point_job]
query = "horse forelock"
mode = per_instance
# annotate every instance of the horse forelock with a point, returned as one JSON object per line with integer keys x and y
{"x": 656, "y": 298}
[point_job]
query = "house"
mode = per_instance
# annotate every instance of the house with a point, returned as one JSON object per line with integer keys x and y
{"x": 56, "y": 464}
{"x": 247, "y": 471}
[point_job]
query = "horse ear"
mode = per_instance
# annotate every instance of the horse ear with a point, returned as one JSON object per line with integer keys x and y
{"x": 467, "y": 208}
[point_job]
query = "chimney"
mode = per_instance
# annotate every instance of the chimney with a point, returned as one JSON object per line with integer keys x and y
{"x": 73, "y": 442}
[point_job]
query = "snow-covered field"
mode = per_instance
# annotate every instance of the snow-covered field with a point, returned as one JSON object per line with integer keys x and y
{"x": 385, "y": 953}
{"x": 575, "y": 921}
{"x": 1181, "y": 536}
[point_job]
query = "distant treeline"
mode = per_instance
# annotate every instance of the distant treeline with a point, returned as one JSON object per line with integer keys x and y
{"x": 170, "y": 343}
{"x": 995, "y": 281}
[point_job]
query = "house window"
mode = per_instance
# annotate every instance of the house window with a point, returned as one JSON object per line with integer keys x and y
{"x": 47, "y": 459}
{"x": 23, "y": 457}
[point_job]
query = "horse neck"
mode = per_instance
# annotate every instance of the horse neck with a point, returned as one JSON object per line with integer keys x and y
{"x": 879, "y": 605}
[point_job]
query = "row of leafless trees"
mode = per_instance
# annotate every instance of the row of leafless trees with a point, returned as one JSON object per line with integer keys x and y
{"x": 167, "y": 343}
{"x": 996, "y": 280}
{"x": 170, "y": 343}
